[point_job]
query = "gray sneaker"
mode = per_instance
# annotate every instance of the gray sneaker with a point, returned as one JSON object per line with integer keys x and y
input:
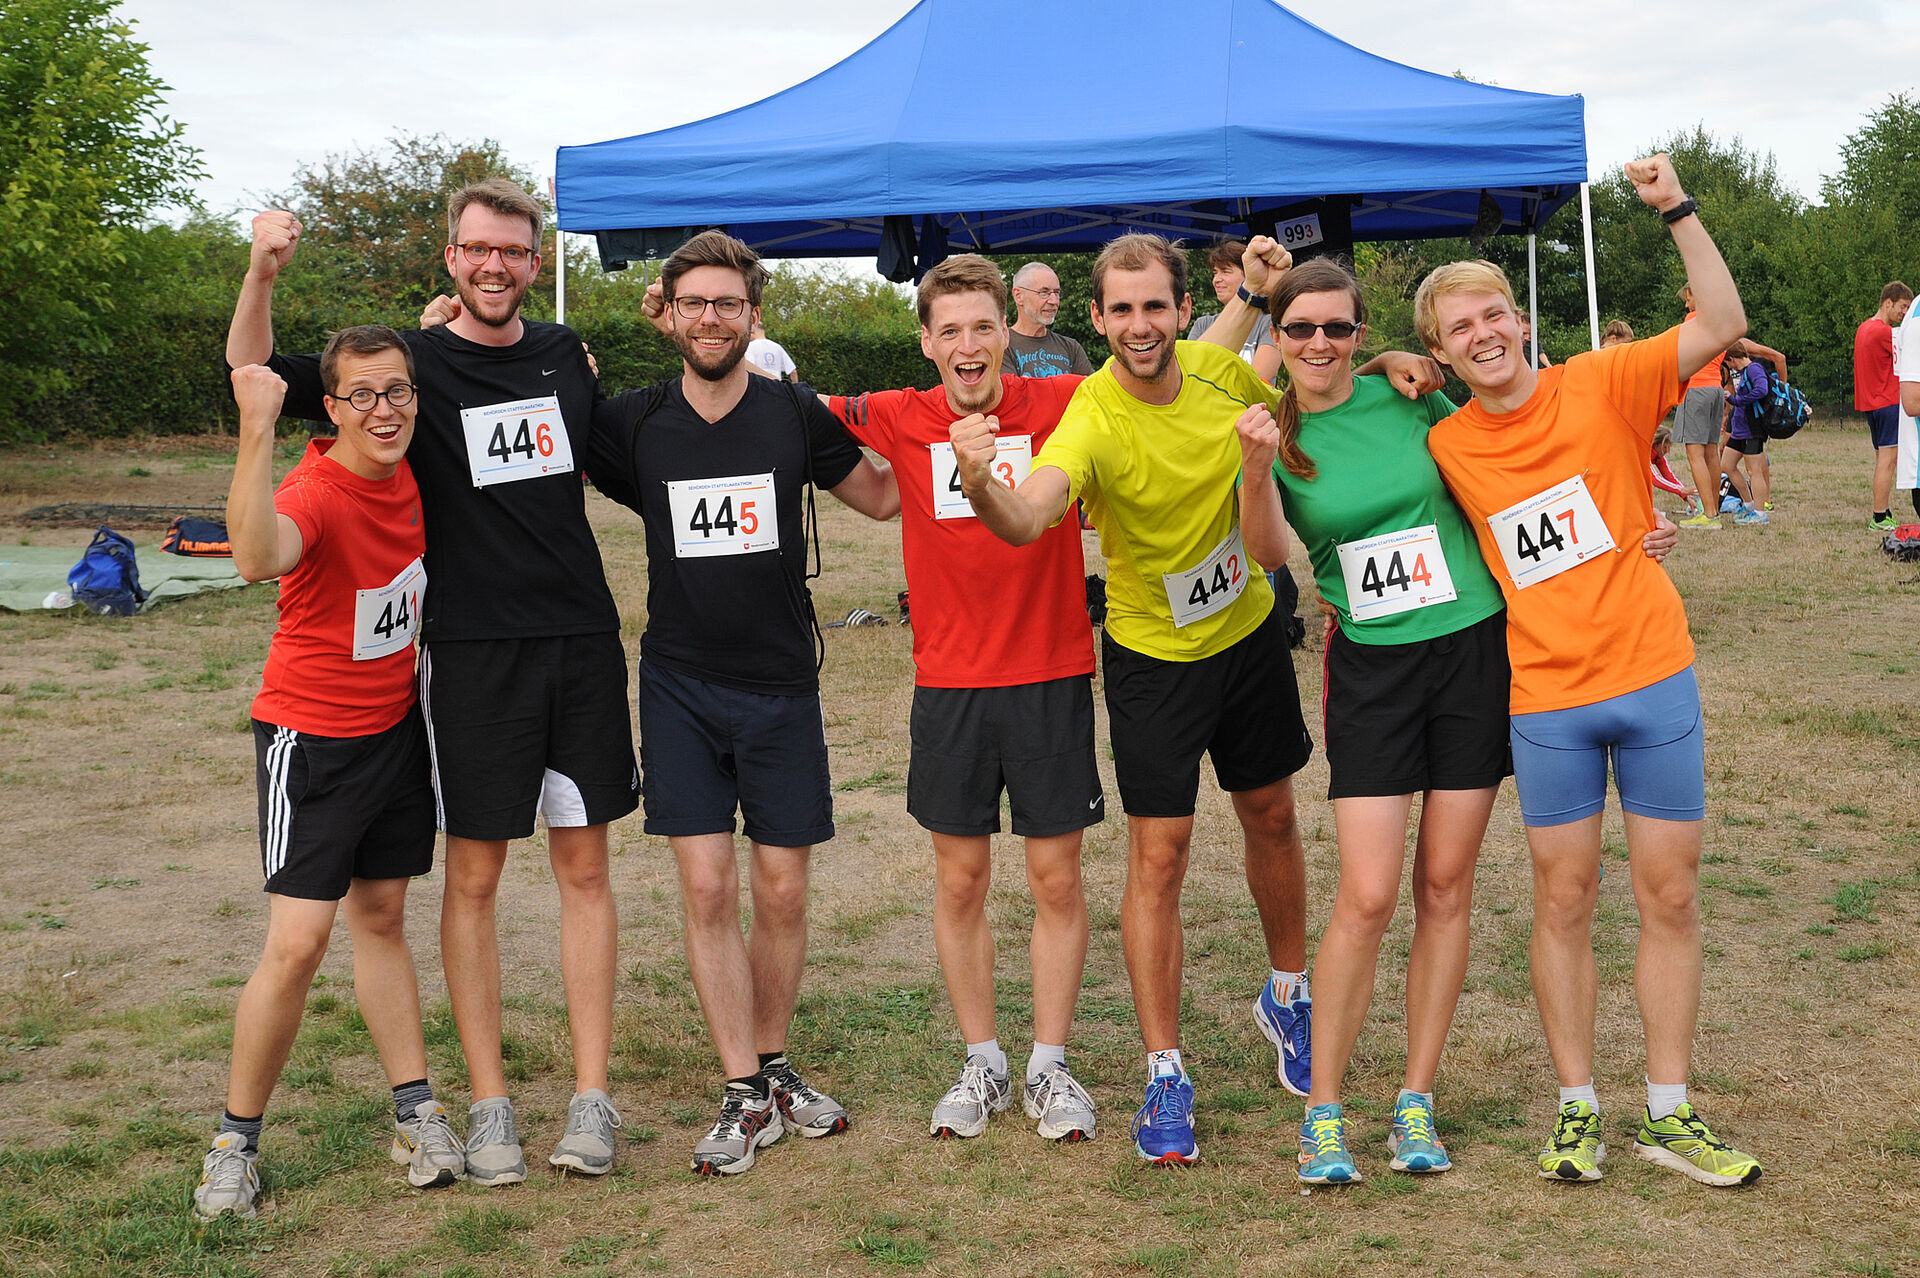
{"x": 746, "y": 1123}
{"x": 229, "y": 1179}
{"x": 494, "y": 1156}
{"x": 978, "y": 1094}
{"x": 588, "y": 1145}
{"x": 803, "y": 1107}
{"x": 426, "y": 1144}
{"x": 1063, "y": 1107}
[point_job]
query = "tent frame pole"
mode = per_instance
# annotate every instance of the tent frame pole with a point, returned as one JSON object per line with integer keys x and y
{"x": 1533, "y": 297}
{"x": 559, "y": 263}
{"x": 1593, "y": 288}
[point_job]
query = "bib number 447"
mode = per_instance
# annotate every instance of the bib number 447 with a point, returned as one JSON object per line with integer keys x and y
{"x": 1550, "y": 532}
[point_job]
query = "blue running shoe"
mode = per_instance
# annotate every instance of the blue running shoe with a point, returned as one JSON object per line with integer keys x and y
{"x": 1413, "y": 1143}
{"x": 1323, "y": 1148}
{"x": 1289, "y": 1027}
{"x": 1163, "y": 1129}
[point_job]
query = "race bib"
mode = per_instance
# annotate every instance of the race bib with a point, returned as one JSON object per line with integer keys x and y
{"x": 1395, "y": 572}
{"x": 386, "y": 619}
{"x": 734, "y": 515}
{"x": 1550, "y": 532}
{"x": 521, "y": 440}
{"x": 1012, "y": 463}
{"x": 1209, "y": 586}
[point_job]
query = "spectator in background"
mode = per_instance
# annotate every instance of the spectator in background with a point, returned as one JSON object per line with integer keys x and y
{"x": 1616, "y": 332}
{"x": 1703, "y": 405}
{"x": 764, "y": 352}
{"x": 1229, "y": 282}
{"x": 1037, "y": 350}
{"x": 1876, "y": 392}
{"x": 1747, "y": 384}
{"x": 1536, "y": 354}
{"x": 1906, "y": 364}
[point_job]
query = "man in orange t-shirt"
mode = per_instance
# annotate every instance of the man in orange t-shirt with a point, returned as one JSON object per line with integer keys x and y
{"x": 1551, "y": 467}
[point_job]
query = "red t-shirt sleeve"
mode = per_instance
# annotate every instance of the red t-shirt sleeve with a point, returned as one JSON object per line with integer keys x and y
{"x": 297, "y": 501}
{"x": 871, "y": 419}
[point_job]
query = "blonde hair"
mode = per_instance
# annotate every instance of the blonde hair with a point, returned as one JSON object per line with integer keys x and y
{"x": 1451, "y": 279}
{"x": 1616, "y": 329}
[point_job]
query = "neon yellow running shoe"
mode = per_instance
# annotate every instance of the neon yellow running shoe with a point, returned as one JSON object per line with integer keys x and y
{"x": 1686, "y": 1144}
{"x": 1576, "y": 1150}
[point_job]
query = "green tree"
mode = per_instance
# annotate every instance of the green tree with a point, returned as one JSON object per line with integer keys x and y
{"x": 85, "y": 156}
{"x": 375, "y": 226}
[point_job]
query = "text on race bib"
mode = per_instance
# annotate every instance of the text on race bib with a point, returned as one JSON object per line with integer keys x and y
{"x": 386, "y": 619}
{"x": 1209, "y": 586}
{"x": 524, "y": 439}
{"x": 1298, "y": 233}
{"x": 1012, "y": 463}
{"x": 1550, "y": 532}
{"x": 1395, "y": 572}
{"x": 731, "y": 515}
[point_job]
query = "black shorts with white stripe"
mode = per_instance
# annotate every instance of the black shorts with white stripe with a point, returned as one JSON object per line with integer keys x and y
{"x": 335, "y": 809}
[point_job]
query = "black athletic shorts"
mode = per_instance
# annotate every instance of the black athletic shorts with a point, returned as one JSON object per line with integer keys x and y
{"x": 706, "y": 750}
{"x": 1748, "y": 447}
{"x": 1241, "y": 706}
{"x": 1403, "y": 718}
{"x": 1035, "y": 740}
{"x": 525, "y": 726}
{"x": 335, "y": 809}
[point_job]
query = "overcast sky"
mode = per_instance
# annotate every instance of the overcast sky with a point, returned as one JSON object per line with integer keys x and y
{"x": 265, "y": 89}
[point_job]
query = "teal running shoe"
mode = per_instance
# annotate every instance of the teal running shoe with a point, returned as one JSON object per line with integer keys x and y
{"x": 1412, "y": 1140}
{"x": 1323, "y": 1148}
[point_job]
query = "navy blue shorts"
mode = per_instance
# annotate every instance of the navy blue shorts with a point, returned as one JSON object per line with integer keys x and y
{"x": 1653, "y": 737}
{"x": 706, "y": 751}
{"x": 1884, "y": 425}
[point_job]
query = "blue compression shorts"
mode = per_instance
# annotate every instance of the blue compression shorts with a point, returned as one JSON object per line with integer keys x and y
{"x": 1653, "y": 736}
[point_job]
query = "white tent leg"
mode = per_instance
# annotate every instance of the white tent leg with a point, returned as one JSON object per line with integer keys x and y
{"x": 559, "y": 264}
{"x": 1533, "y": 297}
{"x": 1593, "y": 289}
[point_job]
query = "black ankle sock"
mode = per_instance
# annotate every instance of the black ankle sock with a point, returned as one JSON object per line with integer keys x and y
{"x": 247, "y": 1127}
{"x": 1883, "y": 514}
{"x": 753, "y": 1083}
{"x": 770, "y": 1059}
{"x": 408, "y": 1096}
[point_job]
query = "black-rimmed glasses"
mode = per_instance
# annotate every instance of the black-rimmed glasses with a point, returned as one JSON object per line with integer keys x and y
{"x": 400, "y": 394}
{"x": 688, "y": 307}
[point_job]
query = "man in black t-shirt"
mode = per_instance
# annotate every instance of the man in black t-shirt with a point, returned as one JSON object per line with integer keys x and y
{"x": 522, "y": 675}
{"x": 718, "y": 464}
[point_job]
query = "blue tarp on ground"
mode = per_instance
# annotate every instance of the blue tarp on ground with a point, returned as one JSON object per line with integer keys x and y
{"x": 1020, "y": 126}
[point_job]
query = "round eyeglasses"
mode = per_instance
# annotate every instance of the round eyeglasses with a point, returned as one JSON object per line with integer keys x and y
{"x": 400, "y": 394}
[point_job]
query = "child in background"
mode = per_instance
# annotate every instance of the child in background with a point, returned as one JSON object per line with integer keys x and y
{"x": 1663, "y": 477}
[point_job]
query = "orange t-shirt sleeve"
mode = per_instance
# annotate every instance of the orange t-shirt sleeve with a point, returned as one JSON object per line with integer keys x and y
{"x": 1642, "y": 379}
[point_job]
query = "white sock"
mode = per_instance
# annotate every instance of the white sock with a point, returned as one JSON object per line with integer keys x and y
{"x": 1584, "y": 1093}
{"x": 996, "y": 1059}
{"x": 1165, "y": 1062}
{"x": 1664, "y": 1098}
{"x": 1289, "y": 987}
{"x": 1044, "y": 1056}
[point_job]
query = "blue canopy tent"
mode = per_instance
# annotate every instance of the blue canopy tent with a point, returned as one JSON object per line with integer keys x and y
{"x": 1007, "y": 126}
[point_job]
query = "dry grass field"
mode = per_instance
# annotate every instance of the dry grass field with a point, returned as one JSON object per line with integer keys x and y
{"x": 130, "y": 914}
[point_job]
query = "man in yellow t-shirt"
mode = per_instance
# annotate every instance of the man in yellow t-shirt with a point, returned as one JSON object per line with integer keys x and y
{"x": 1195, "y": 661}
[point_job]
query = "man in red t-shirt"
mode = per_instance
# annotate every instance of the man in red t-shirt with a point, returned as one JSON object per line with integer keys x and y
{"x": 346, "y": 803}
{"x": 1003, "y": 657}
{"x": 1876, "y": 392}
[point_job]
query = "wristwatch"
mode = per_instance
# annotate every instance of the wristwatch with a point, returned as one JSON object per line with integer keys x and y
{"x": 1685, "y": 208}
{"x": 1257, "y": 301}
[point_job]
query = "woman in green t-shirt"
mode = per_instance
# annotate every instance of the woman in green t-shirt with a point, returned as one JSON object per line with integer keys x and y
{"x": 1416, "y": 690}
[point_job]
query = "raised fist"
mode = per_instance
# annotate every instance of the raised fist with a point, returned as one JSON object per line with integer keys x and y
{"x": 441, "y": 310}
{"x": 1259, "y": 441}
{"x": 974, "y": 450}
{"x": 1654, "y": 181}
{"x": 653, "y": 305}
{"x": 259, "y": 392}
{"x": 276, "y": 234}
{"x": 1264, "y": 263}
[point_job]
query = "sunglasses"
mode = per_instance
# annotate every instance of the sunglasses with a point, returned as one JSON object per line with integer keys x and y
{"x": 1337, "y": 330}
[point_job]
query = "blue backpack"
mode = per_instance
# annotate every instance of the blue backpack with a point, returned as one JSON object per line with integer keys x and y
{"x": 1782, "y": 413}
{"x": 107, "y": 578}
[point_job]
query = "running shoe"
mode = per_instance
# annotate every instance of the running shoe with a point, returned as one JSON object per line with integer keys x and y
{"x": 588, "y": 1143}
{"x": 1163, "y": 1129}
{"x": 1576, "y": 1150}
{"x": 1414, "y": 1145}
{"x": 1702, "y": 520}
{"x": 426, "y": 1144}
{"x": 746, "y": 1123}
{"x": 1685, "y": 1143}
{"x": 976, "y": 1096}
{"x": 1063, "y": 1107}
{"x": 494, "y": 1156}
{"x": 1289, "y": 1027}
{"x": 1748, "y": 515}
{"x": 1323, "y": 1147}
{"x": 803, "y": 1107}
{"x": 229, "y": 1179}
{"x": 1885, "y": 524}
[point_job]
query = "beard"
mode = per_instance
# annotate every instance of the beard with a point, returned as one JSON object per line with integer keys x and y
{"x": 711, "y": 366}
{"x": 496, "y": 310}
{"x": 1127, "y": 360}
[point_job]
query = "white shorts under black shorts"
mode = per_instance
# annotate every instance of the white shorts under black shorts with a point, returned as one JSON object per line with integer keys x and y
{"x": 335, "y": 809}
